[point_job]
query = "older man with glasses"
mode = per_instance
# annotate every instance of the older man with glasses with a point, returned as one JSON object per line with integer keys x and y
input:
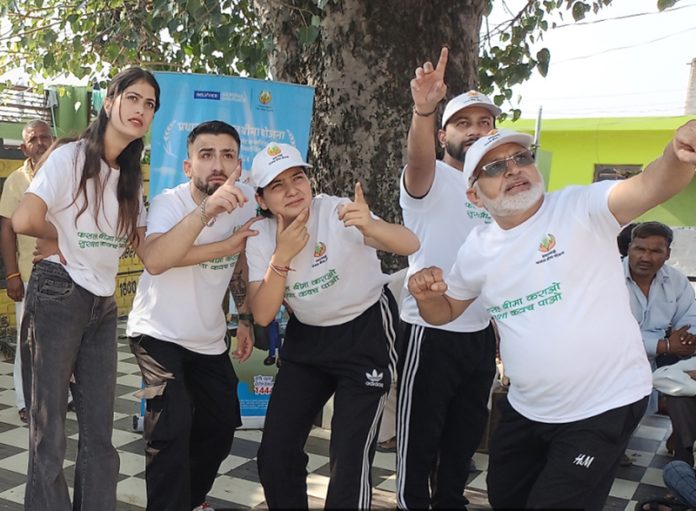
{"x": 547, "y": 270}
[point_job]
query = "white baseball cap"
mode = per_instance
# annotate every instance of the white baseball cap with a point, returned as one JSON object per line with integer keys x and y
{"x": 471, "y": 98}
{"x": 272, "y": 160}
{"x": 493, "y": 139}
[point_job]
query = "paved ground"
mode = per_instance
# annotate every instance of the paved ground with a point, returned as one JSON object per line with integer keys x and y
{"x": 237, "y": 485}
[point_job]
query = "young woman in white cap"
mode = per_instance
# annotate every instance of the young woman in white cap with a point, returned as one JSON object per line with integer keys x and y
{"x": 318, "y": 254}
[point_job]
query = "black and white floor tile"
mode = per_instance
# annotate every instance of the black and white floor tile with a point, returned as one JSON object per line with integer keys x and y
{"x": 237, "y": 486}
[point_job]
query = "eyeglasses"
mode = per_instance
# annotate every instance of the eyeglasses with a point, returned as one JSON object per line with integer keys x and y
{"x": 496, "y": 167}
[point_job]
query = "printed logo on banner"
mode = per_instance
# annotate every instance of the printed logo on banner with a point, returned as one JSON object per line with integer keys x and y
{"x": 263, "y": 384}
{"x": 206, "y": 94}
{"x": 233, "y": 96}
{"x": 265, "y": 97}
{"x": 264, "y": 100}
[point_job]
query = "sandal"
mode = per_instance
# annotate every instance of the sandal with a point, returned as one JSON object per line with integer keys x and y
{"x": 664, "y": 504}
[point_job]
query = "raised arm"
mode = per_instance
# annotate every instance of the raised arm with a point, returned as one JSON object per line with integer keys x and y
{"x": 427, "y": 89}
{"x": 377, "y": 233}
{"x": 661, "y": 180}
{"x": 162, "y": 251}
{"x": 428, "y": 287}
{"x": 266, "y": 296}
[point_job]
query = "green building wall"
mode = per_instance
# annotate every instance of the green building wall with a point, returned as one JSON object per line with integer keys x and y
{"x": 572, "y": 147}
{"x": 71, "y": 115}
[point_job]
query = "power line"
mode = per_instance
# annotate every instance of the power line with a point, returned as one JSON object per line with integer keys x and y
{"x": 498, "y": 28}
{"x": 618, "y": 95}
{"x": 625, "y": 16}
{"x": 619, "y": 48}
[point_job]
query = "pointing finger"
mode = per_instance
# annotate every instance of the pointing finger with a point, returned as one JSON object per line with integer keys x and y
{"x": 442, "y": 62}
{"x": 359, "y": 196}
{"x": 234, "y": 175}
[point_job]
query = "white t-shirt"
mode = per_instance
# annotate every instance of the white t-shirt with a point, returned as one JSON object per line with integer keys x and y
{"x": 555, "y": 286}
{"x": 91, "y": 248}
{"x": 336, "y": 278}
{"x": 442, "y": 220}
{"x": 184, "y": 305}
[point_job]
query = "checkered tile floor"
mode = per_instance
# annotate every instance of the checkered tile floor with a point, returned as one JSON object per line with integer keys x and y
{"x": 237, "y": 486}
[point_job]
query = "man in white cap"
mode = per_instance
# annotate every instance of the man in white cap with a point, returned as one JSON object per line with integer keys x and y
{"x": 446, "y": 371}
{"x": 547, "y": 270}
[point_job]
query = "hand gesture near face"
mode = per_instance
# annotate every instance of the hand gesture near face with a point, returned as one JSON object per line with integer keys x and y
{"x": 226, "y": 198}
{"x": 292, "y": 239}
{"x": 237, "y": 242}
{"x": 684, "y": 143}
{"x": 428, "y": 87}
{"x": 427, "y": 283}
{"x": 357, "y": 213}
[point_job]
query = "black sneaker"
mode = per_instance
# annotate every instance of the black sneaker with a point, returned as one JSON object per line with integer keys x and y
{"x": 269, "y": 361}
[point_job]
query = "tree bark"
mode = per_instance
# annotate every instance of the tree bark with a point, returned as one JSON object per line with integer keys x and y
{"x": 361, "y": 64}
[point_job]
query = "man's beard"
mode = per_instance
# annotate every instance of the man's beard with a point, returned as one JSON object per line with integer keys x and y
{"x": 206, "y": 188}
{"x": 457, "y": 152}
{"x": 506, "y": 205}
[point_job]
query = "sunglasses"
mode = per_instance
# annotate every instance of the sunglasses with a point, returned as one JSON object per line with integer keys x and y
{"x": 496, "y": 167}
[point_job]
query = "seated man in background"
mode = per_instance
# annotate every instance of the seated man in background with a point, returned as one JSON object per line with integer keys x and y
{"x": 661, "y": 297}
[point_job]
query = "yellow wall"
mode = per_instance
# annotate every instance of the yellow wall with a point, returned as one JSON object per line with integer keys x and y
{"x": 576, "y": 145}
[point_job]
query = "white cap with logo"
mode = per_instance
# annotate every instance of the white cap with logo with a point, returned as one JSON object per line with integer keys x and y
{"x": 471, "y": 98}
{"x": 493, "y": 139}
{"x": 272, "y": 160}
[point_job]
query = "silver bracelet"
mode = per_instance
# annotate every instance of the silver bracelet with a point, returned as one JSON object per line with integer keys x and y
{"x": 205, "y": 219}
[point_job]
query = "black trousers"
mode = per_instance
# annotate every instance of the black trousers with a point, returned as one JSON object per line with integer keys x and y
{"x": 354, "y": 363}
{"x": 445, "y": 379}
{"x": 535, "y": 465}
{"x": 192, "y": 412}
{"x": 682, "y": 412}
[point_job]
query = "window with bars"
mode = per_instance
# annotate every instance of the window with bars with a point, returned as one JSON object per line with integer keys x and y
{"x": 615, "y": 172}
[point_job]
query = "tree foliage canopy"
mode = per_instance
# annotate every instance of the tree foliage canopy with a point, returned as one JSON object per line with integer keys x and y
{"x": 94, "y": 38}
{"x": 359, "y": 56}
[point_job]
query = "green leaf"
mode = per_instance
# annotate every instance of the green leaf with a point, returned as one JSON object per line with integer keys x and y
{"x": 543, "y": 58}
{"x": 307, "y": 35}
{"x": 48, "y": 60}
{"x": 579, "y": 10}
{"x": 665, "y": 4}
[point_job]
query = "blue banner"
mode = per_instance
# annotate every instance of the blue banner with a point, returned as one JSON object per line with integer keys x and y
{"x": 262, "y": 111}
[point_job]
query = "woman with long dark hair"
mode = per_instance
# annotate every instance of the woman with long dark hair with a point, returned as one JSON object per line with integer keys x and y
{"x": 87, "y": 199}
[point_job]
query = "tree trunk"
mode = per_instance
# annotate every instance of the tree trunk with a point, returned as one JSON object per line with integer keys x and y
{"x": 361, "y": 64}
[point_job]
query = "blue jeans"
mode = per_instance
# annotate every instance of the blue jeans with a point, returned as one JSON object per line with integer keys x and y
{"x": 681, "y": 481}
{"x": 70, "y": 332}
